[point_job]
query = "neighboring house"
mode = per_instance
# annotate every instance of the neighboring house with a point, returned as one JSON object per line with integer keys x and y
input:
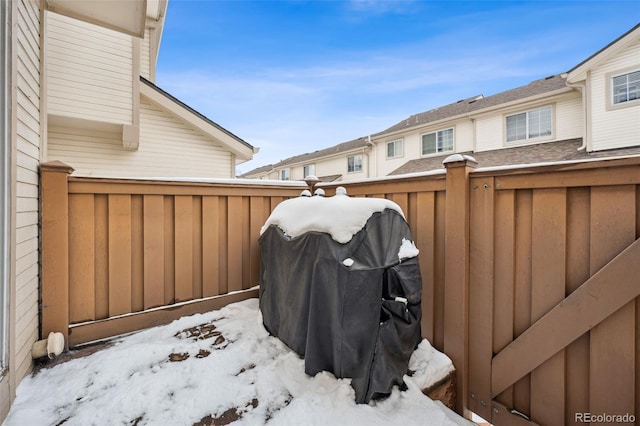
{"x": 106, "y": 117}
{"x": 345, "y": 161}
{"x": 591, "y": 111}
{"x": 76, "y": 83}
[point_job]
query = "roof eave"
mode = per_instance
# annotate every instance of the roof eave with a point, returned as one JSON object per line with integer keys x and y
{"x": 473, "y": 114}
{"x": 579, "y": 72}
{"x": 237, "y": 146}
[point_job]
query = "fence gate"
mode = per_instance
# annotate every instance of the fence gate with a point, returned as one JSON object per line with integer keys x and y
{"x": 554, "y": 312}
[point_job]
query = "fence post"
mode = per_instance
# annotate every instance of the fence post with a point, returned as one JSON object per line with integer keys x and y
{"x": 456, "y": 283}
{"x": 54, "y": 257}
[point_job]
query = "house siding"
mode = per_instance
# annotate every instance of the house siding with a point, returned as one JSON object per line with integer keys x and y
{"x": 168, "y": 148}
{"x": 90, "y": 71}
{"x": 619, "y": 127}
{"x": 25, "y": 146}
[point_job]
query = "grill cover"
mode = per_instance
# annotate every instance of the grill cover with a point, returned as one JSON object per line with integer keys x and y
{"x": 342, "y": 306}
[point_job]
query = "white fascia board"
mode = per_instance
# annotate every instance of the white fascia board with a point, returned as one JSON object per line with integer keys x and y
{"x": 125, "y": 16}
{"x": 241, "y": 150}
{"x": 579, "y": 73}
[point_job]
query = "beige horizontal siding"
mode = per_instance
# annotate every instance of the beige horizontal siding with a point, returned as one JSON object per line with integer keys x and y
{"x": 168, "y": 148}
{"x": 90, "y": 71}
{"x": 27, "y": 121}
{"x": 614, "y": 128}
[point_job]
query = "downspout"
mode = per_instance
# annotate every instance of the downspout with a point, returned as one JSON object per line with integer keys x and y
{"x": 375, "y": 161}
{"x": 582, "y": 87}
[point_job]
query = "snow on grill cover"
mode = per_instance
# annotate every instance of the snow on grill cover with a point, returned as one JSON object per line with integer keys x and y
{"x": 340, "y": 285}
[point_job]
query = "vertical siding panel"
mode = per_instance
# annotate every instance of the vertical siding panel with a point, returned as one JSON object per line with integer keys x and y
{"x": 81, "y": 251}
{"x": 234, "y": 241}
{"x": 438, "y": 301}
{"x": 169, "y": 251}
{"x": 154, "y": 264}
{"x": 522, "y": 304}
{"x": 101, "y": 257}
{"x": 119, "y": 254}
{"x": 210, "y": 246}
{"x": 197, "y": 247}
{"x": 137, "y": 251}
{"x": 481, "y": 280}
{"x": 183, "y": 247}
{"x": 424, "y": 235}
{"x": 548, "y": 268}
{"x": 577, "y": 354}
{"x": 504, "y": 290}
{"x": 258, "y": 219}
{"x": 223, "y": 247}
{"x": 613, "y": 340}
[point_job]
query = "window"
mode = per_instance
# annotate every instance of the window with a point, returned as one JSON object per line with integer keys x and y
{"x": 309, "y": 169}
{"x": 626, "y": 87}
{"x": 284, "y": 174}
{"x": 529, "y": 125}
{"x": 354, "y": 164}
{"x": 394, "y": 149}
{"x": 435, "y": 142}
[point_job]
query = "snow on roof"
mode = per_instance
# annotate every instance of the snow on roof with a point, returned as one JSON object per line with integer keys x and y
{"x": 340, "y": 216}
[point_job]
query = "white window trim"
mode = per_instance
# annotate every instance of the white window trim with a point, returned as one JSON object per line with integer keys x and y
{"x": 386, "y": 148}
{"x": 354, "y": 163}
{"x": 288, "y": 174}
{"x": 609, "y": 88}
{"x": 304, "y": 174}
{"x": 529, "y": 140}
{"x": 435, "y": 154}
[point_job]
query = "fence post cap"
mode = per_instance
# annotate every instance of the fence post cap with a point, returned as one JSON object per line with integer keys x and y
{"x": 56, "y": 166}
{"x": 457, "y": 160}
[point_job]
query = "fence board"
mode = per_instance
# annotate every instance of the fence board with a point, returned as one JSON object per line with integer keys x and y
{"x": 504, "y": 289}
{"x": 223, "y": 245}
{"x": 577, "y": 354}
{"x": 101, "y": 210}
{"x": 612, "y": 341}
{"x": 119, "y": 254}
{"x": 210, "y": 249}
{"x": 425, "y": 242}
{"x": 234, "y": 243}
{"x": 196, "y": 240}
{"x": 439, "y": 275}
{"x": 547, "y": 289}
{"x": 481, "y": 280}
{"x": 82, "y": 251}
{"x": 154, "y": 264}
{"x": 258, "y": 218}
{"x": 522, "y": 302}
{"x": 246, "y": 242}
{"x": 183, "y": 248}
{"x": 137, "y": 254}
{"x": 169, "y": 251}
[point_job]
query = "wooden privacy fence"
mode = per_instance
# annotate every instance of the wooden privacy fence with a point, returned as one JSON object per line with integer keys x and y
{"x": 121, "y": 255}
{"x": 531, "y": 276}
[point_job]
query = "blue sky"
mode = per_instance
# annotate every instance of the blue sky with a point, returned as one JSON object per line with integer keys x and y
{"x": 292, "y": 77}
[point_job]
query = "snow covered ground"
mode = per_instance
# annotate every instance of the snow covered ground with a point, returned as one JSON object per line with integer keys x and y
{"x": 214, "y": 369}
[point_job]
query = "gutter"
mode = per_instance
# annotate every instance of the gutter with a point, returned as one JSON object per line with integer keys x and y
{"x": 375, "y": 153}
{"x": 582, "y": 88}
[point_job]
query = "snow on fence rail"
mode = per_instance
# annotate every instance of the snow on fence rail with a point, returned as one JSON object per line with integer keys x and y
{"x": 510, "y": 260}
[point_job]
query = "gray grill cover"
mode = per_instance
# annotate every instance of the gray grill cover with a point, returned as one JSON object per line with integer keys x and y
{"x": 345, "y": 320}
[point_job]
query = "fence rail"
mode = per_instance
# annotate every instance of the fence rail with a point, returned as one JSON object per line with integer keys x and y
{"x": 530, "y": 274}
